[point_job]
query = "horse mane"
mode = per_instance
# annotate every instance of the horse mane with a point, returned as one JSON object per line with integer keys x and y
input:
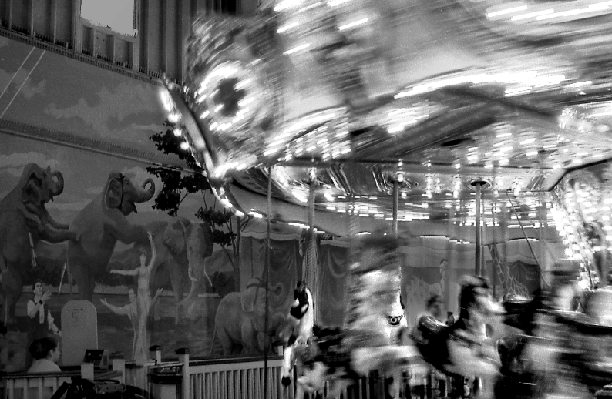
{"x": 467, "y": 295}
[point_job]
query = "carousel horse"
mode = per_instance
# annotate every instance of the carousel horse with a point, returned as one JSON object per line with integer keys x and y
{"x": 557, "y": 350}
{"x": 337, "y": 357}
{"x": 520, "y": 376}
{"x": 299, "y": 336}
{"x": 463, "y": 350}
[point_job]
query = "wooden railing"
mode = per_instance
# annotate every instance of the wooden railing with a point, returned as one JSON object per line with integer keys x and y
{"x": 24, "y": 385}
{"x": 244, "y": 378}
{"x": 235, "y": 380}
{"x": 232, "y": 378}
{"x": 35, "y": 386}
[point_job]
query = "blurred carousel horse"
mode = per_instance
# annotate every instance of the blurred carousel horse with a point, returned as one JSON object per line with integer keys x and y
{"x": 463, "y": 350}
{"x": 558, "y": 351}
{"x": 338, "y": 357}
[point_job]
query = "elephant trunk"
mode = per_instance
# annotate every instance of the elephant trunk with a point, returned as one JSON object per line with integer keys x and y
{"x": 58, "y": 187}
{"x": 146, "y": 193}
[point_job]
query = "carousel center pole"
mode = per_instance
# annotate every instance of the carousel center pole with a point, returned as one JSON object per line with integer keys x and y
{"x": 267, "y": 273}
{"x": 395, "y": 207}
{"x": 312, "y": 273}
{"x": 477, "y": 184}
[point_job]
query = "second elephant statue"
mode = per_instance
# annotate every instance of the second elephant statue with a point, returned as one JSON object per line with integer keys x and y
{"x": 182, "y": 248}
{"x": 240, "y": 320}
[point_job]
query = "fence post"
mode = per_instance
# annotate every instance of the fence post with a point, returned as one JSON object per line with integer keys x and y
{"x": 156, "y": 353}
{"x": 87, "y": 371}
{"x": 118, "y": 364}
{"x": 183, "y": 354}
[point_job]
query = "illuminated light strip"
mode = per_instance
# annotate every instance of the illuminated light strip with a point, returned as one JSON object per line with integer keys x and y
{"x": 593, "y": 8}
{"x": 527, "y": 78}
{"x": 335, "y": 3}
{"x": 297, "y": 49}
{"x": 506, "y": 11}
{"x": 353, "y": 24}
{"x": 285, "y": 28}
{"x": 534, "y": 14}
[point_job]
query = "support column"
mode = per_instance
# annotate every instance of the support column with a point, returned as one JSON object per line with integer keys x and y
{"x": 53, "y": 21}
{"x": 179, "y": 53}
{"x": 92, "y": 42}
{"x": 164, "y": 34}
{"x": 9, "y": 14}
{"x": 134, "y": 53}
{"x": 143, "y": 37}
{"x": 183, "y": 355}
{"x": 30, "y": 14}
{"x": 77, "y": 27}
{"x": 110, "y": 47}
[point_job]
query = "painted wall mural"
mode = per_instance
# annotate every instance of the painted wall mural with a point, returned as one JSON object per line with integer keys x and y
{"x": 83, "y": 226}
{"x": 82, "y": 223}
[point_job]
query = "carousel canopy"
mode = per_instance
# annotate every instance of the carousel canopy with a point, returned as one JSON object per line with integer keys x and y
{"x": 350, "y": 97}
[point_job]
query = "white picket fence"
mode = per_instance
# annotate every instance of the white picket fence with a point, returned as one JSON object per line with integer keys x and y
{"x": 199, "y": 379}
{"x": 33, "y": 386}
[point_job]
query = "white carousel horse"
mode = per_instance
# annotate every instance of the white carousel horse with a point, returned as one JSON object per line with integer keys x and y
{"x": 300, "y": 336}
{"x": 336, "y": 357}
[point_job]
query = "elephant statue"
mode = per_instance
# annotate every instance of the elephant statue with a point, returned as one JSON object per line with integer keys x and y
{"x": 24, "y": 221}
{"x": 102, "y": 223}
{"x": 240, "y": 319}
{"x": 183, "y": 249}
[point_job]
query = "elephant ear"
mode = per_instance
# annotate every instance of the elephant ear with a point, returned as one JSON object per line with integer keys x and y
{"x": 253, "y": 297}
{"x": 207, "y": 239}
{"x": 113, "y": 195}
{"x": 173, "y": 237}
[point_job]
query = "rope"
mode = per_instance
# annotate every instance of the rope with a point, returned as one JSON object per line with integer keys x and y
{"x": 523, "y": 231}
{"x": 16, "y": 72}
{"x": 352, "y": 280}
{"x": 509, "y": 283}
{"x": 22, "y": 84}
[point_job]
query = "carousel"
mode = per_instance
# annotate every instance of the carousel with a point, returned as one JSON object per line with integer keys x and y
{"x": 484, "y": 122}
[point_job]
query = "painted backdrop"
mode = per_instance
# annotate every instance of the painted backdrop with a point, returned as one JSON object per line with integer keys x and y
{"x": 79, "y": 214}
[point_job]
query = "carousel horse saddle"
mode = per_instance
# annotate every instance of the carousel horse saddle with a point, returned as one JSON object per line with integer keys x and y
{"x": 429, "y": 330}
{"x": 431, "y": 339}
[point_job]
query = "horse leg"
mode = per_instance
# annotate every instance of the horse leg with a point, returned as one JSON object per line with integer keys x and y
{"x": 287, "y": 365}
{"x": 336, "y": 388}
{"x": 396, "y": 382}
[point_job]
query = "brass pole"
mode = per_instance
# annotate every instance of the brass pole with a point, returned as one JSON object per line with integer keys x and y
{"x": 395, "y": 207}
{"x": 267, "y": 274}
{"x": 478, "y": 269}
{"x": 312, "y": 273}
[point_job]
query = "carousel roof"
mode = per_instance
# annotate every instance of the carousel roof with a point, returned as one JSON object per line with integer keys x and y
{"x": 433, "y": 94}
